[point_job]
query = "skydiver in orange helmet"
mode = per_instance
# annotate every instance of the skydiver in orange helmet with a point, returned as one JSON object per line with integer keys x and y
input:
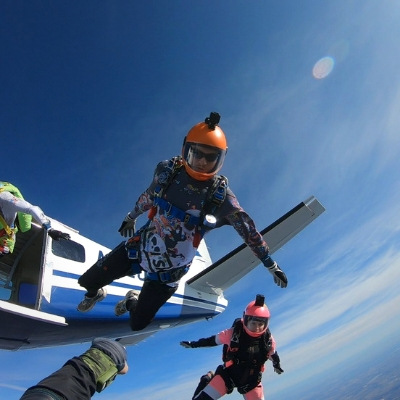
{"x": 248, "y": 344}
{"x": 185, "y": 200}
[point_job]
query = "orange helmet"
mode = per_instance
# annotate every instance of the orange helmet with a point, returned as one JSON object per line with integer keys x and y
{"x": 202, "y": 136}
{"x": 256, "y": 311}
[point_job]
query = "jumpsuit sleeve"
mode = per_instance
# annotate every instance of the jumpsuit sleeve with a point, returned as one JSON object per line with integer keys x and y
{"x": 38, "y": 215}
{"x": 3, "y": 199}
{"x": 23, "y": 206}
{"x": 224, "y": 337}
{"x": 205, "y": 342}
{"x": 143, "y": 204}
{"x": 74, "y": 380}
{"x": 244, "y": 225}
{"x": 273, "y": 348}
{"x": 146, "y": 199}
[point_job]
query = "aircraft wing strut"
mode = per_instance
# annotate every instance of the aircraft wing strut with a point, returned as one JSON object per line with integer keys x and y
{"x": 239, "y": 262}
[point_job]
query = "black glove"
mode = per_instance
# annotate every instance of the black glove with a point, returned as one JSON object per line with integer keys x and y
{"x": 128, "y": 227}
{"x": 187, "y": 344}
{"x": 206, "y": 342}
{"x": 276, "y": 363}
{"x": 279, "y": 276}
{"x": 57, "y": 235}
{"x": 278, "y": 369}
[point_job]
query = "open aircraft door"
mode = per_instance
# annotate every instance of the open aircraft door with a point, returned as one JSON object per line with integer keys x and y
{"x": 21, "y": 276}
{"x": 21, "y": 271}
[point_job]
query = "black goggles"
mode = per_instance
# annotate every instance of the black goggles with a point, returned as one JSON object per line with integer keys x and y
{"x": 210, "y": 157}
{"x": 256, "y": 319}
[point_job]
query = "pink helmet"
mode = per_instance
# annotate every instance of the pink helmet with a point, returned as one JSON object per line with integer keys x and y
{"x": 256, "y": 311}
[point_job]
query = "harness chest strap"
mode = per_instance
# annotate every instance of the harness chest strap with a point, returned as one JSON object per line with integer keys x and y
{"x": 230, "y": 351}
{"x": 176, "y": 212}
{"x": 215, "y": 197}
{"x": 187, "y": 219}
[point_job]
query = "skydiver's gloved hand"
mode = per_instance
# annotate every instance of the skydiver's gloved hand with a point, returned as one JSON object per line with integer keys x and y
{"x": 207, "y": 342}
{"x": 278, "y": 369}
{"x": 279, "y": 276}
{"x": 57, "y": 235}
{"x": 128, "y": 227}
{"x": 187, "y": 344}
{"x": 53, "y": 233}
{"x": 276, "y": 363}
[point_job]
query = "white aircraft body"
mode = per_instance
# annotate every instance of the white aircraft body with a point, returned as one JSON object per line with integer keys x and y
{"x": 40, "y": 280}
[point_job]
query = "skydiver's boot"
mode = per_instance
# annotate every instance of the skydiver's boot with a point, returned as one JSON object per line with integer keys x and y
{"x": 204, "y": 381}
{"x": 127, "y": 304}
{"x": 89, "y": 302}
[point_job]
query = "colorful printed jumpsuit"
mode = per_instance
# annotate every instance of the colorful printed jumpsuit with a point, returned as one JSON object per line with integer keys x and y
{"x": 168, "y": 243}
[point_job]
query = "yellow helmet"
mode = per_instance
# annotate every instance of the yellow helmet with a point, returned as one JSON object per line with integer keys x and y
{"x": 205, "y": 135}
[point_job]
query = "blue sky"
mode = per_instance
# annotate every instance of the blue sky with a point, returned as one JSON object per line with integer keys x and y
{"x": 94, "y": 94}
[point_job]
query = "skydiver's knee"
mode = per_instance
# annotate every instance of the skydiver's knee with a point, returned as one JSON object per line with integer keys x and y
{"x": 87, "y": 282}
{"x": 82, "y": 281}
{"x": 138, "y": 324}
{"x": 90, "y": 275}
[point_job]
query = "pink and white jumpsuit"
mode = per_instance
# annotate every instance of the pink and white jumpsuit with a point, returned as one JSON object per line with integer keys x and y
{"x": 217, "y": 386}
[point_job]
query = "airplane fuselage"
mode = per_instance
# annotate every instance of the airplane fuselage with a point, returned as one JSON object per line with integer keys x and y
{"x": 40, "y": 290}
{"x": 43, "y": 295}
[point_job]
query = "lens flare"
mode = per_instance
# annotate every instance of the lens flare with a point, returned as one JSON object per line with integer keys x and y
{"x": 323, "y": 67}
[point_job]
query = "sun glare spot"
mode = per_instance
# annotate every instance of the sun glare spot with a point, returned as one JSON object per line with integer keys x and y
{"x": 323, "y": 67}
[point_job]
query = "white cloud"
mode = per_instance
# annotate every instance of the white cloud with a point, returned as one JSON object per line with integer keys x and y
{"x": 13, "y": 387}
{"x": 336, "y": 293}
{"x": 340, "y": 345}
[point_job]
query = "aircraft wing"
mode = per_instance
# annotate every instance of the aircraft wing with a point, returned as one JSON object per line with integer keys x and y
{"x": 134, "y": 339}
{"x": 18, "y": 323}
{"x": 239, "y": 262}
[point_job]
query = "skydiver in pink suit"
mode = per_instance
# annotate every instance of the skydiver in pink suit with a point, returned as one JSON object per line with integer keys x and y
{"x": 248, "y": 344}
